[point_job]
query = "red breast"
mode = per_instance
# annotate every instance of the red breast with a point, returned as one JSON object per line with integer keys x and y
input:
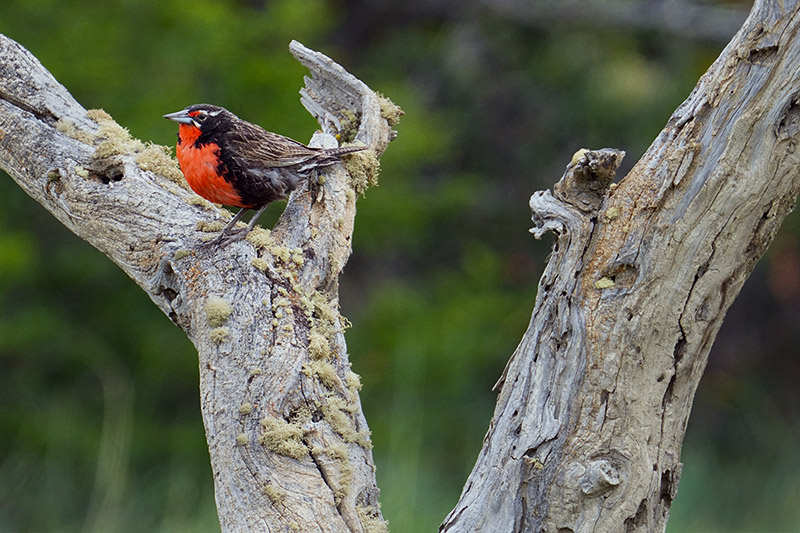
{"x": 200, "y": 165}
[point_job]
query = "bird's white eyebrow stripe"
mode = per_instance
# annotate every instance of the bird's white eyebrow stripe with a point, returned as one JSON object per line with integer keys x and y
{"x": 213, "y": 113}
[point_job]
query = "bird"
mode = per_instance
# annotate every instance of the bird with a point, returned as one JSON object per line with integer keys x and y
{"x": 230, "y": 161}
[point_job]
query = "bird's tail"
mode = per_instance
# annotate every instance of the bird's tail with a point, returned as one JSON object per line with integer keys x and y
{"x": 343, "y": 150}
{"x": 325, "y": 158}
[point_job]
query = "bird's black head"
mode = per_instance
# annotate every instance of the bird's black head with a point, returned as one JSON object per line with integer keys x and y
{"x": 205, "y": 117}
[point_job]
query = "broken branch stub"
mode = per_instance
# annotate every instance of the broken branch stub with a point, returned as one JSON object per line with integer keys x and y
{"x": 588, "y": 177}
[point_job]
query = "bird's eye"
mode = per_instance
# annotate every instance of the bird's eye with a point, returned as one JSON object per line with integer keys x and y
{"x": 201, "y": 116}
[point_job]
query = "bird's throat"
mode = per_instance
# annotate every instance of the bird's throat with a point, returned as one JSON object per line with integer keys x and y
{"x": 188, "y": 134}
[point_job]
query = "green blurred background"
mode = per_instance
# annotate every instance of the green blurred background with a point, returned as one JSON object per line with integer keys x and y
{"x": 100, "y": 428}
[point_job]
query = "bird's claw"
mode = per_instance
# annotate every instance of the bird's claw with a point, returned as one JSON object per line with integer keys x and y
{"x": 227, "y": 237}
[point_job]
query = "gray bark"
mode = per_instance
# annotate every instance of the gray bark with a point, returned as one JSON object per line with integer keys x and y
{"x": 587, "y": 431}
{"x": 289, "y": 445}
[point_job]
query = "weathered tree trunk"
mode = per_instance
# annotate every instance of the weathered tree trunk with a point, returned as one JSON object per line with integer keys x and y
{"x": 587, "y": 431}
{"x": 289, "y": 445}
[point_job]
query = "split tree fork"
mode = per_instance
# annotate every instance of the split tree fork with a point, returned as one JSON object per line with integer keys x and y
{"x": 288, "y": 442}
{"x": 594, "y": 403}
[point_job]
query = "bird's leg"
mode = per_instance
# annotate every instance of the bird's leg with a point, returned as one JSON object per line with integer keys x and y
{"x": 222, "y": 234}
{"x": 236, "y": 218}
{"x": 255, "y": 217}
{"x": 227, "y": 236}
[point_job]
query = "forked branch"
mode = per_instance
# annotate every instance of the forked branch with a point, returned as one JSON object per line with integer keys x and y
{"x": 289, "y": 445}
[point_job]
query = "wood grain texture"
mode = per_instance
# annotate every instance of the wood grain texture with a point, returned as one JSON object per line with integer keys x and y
{"x": 289, "y": 445}
{"x": 587, "y": 431}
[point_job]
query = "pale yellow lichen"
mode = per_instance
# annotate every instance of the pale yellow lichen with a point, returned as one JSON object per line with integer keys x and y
{"x": 82, "y": 172}
{"x": 158, "y": 159}
{"x": 350, "y": 123}
{"x": 363, "y": 168}
{"x": 210, "y": 226}
{"x": 339, "y": 414}
{"x": 297, "y": 257}
{"x": 611, "y": 213}
{"x": 338, "y": 451}
{"x": 390, "y": 111}
{"x": 281, "y": 253}
{"x": 323, "y": 309}
{"x": 324, "y": 371}
{"x": 283, "y": 437}
{"x": 577, "y": 156}
{"x": 260, "y": 263}
{"x": 604, "y": 283}
{"x": 353, "y": 382}
{"x": 342, "y": 472}
{"x": 318, "y": 347}
{"x": 370, "y": 518}
{"x": 534, "y": 462}
{"x": 219, "y": 335}
{"x": 274, "y": 493}
{"x": 98, "y": 115}
{"x": 114, "y": 140}
{"x": 199, "y": 201}
{"x": 260, "y": 237}
{"x": 217, "y": 310}
{"x": 68, "y": 128}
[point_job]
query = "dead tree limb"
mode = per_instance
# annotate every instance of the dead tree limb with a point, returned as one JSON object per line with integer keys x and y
{"x": 590, "y": 419}
{"x": 289, "y": 445}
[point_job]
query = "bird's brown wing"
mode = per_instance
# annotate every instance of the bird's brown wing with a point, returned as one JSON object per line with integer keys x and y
{"x": 255, "y": 147}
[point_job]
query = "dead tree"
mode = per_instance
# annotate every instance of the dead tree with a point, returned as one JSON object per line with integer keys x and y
{"x": 290, "y": 448}
{"x": 593, "y": 404}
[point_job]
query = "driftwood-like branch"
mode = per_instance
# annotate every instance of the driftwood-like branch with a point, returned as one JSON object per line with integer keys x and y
{"x": 289, "y": 445}
{"x": 587, "y": 431}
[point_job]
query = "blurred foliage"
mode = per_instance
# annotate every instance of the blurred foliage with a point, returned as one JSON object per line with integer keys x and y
{"x": 100, "y": 428}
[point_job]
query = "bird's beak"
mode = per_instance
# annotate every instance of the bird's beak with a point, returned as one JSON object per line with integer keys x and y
{"x": 180, "y": 116}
